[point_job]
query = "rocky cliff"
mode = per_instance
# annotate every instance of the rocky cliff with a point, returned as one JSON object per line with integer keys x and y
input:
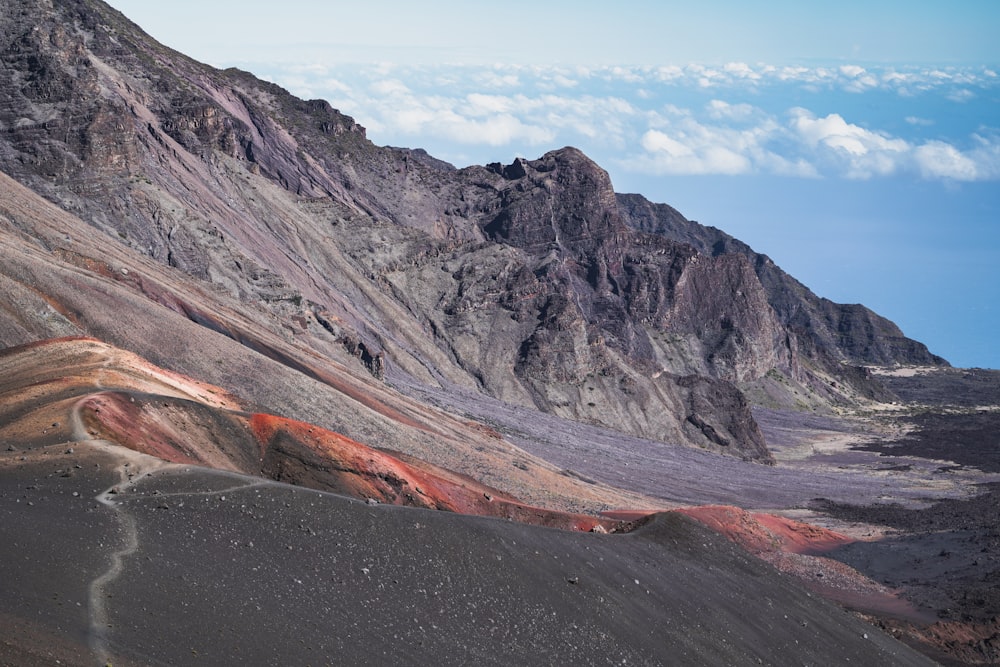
{"x": 850, "y": 334}
{"x": 531, "y": 282}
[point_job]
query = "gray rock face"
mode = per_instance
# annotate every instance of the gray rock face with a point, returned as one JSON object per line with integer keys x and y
{"x": 532, "y": 282}
{"x": 826, "y": 330}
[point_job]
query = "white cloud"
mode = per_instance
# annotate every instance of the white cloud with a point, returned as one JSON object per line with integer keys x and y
{"x": 410, "y": 120}
{"x": 860, "y": 152}
{"x": 499, "y": 130}
{"x": 936, "y": 159}
{"x": 563, "y": 81}
{"x": 627, "y": 74}
{"x": 742, "y": 71}
{"x": 986, "y": 154}
{"x": 655, "y": 141}
{"x": 833, "y": 131}
{"x": 792, "y": 73}
{"x": 691, "y": 155}
{"x": 678, "y": 143}
{"x": 389, "y": 88}
{"x": 669, "y": 73}
{"x": 780, "y": 165}
{"x": 482, "y": 105}
{"x": 499, "y": 79}
{"x": 688, "y": 146}
{"x": 718, "y": 109}
{"x": 691, "y": 119}
{"x": 805, "y": 146}
{"x": 858, "y": 79}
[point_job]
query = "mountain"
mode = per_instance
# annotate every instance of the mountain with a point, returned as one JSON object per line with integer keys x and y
{"x": 533, "y": 283}
{"x": 235, "y": 334}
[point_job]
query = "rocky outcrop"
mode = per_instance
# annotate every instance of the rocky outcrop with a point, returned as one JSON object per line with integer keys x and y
{"x": 559, "y": 307}
{"x": 850, "y": 334}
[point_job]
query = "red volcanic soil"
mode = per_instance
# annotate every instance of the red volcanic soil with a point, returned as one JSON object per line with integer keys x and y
{"x": 801, "y": 538}
{"x": 118, "y": 417}
{"x": 80, "y": 389}
{"x": 761, "y": 533}
{"x": 302, "y": 454}
{"x": 307, "y": 455}
{"x": 796, "y": 548}
{"x": 286, "y": 450}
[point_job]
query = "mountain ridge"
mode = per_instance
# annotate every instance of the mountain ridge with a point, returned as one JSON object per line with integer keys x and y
{"x": 604, "y": 323}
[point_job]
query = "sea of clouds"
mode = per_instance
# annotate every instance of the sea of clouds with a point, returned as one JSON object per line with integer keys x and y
{"x": 840, "y": 121}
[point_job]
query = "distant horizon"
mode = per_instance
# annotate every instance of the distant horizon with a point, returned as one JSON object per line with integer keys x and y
{"x": 587, "y": 32}
{"x": 866, "y": 164}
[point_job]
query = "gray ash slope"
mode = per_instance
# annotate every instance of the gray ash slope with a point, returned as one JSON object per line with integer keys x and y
{"x": 533, "y": 282}
{"x": 188, "y": 566}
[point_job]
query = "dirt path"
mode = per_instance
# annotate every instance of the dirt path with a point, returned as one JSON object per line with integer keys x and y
{"x": 133, "y": 466}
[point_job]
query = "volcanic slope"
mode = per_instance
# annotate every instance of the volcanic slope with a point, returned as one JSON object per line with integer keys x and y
{"x": 63, "y": 280}
{"x": 82, "y": 389}
{"x": 945, "y": 558}
{"x": 532, "y": 283}
{"x": 172, "y": 415}
{"x": 149, "y": 549}
{"x": 173, "y": 564}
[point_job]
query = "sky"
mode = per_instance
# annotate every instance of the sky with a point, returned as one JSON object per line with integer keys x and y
{"x": 855, "y": 143}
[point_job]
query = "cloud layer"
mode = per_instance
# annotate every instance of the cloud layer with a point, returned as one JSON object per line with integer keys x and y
{"x": 845, "y": 121}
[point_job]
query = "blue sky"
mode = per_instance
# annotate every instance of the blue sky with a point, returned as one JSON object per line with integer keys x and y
{"x": 857, "y": 144}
